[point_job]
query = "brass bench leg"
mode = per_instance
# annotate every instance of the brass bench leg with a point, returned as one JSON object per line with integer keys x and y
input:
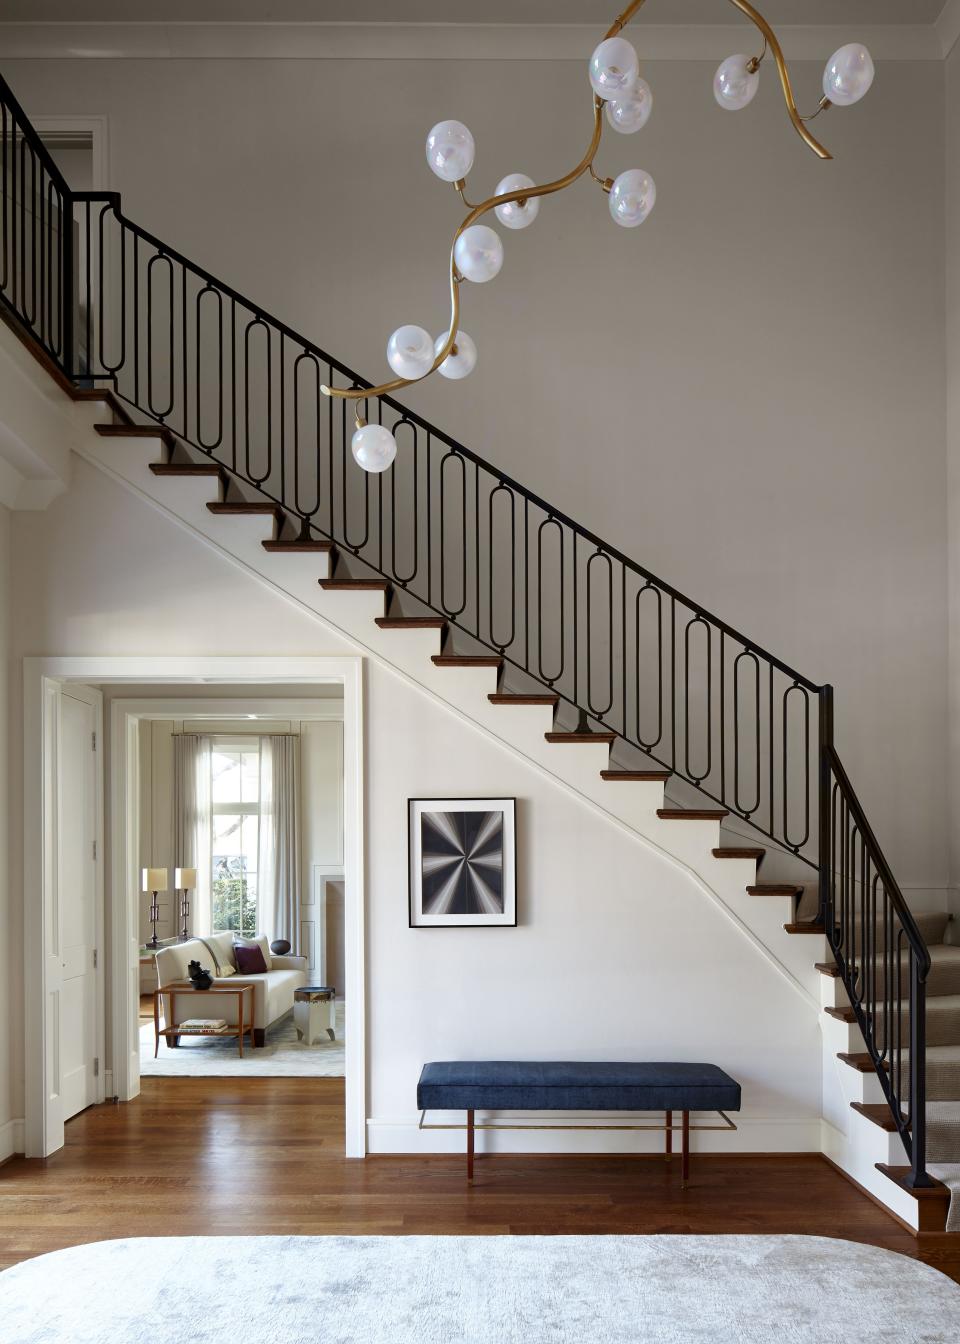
{"x": 685, "y": 1152}
{"x": 668, "y": 1136}
{"x": 470, "y": 1132}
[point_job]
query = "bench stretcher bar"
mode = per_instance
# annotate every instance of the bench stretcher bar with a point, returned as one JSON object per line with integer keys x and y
{"x": 668, "y": 1126}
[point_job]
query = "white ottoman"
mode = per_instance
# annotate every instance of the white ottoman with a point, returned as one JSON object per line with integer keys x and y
{"x": 315, "y": 1011}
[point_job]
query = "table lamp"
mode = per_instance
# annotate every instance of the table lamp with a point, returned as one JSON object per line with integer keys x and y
{"x": 155, "y": 880}
{"x": 184, "y": 880}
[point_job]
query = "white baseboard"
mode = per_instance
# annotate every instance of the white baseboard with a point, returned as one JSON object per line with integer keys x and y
{"x": 753, "y": 1135}
{"x": 11, "y": 1139}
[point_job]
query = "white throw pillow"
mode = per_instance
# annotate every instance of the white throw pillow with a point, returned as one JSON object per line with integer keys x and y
{"x": 226, "y": 968}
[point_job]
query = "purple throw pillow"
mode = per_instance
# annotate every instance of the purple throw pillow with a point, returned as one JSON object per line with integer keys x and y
{"x": 249, "y": 959}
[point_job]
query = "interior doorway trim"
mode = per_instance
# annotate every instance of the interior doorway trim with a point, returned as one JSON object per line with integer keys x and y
{"x": 94, "y": 131}
{"x": 123, "y": 932}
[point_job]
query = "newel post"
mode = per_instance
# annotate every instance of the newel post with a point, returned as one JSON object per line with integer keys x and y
{"x": 824, "y": 777}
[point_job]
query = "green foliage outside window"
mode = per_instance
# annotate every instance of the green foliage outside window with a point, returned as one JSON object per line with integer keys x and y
{"x": 234, "y": 902}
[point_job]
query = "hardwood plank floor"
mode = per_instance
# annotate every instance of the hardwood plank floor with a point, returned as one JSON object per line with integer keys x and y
{"x": 195, "y": 1156}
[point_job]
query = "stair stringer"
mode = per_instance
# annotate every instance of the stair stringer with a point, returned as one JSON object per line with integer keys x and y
{"x": 851, "y": 1141}
{"x": 631, "y": 807}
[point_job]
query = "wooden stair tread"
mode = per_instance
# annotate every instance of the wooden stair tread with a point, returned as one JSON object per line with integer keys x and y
{"x": 691, "y": 814}
{"x": 845, "y": 1014}
{"x": 106, "y": 397}
{"x": 229, "y": 507}
{"x": 805, "y": 928}
{"x": 187, "y": 469}
{"x": 740, "y": 852}
{"x": 354, "y": 585}
{"x": 466, "y": 660}
{"x": 827, "y": 968}
{"x": 605, "y": 739}
{"x": 877, "y": 1112}
{"x": 862, "y": 1063}
{"x": 774, "y": 889}
{"x": 324, "y": 547}
{"x": 505, "y": 698}
{"x": 635, "y": 776}
{"x": 410, "y": 622}
{"x": 131, "y": 431}
{"x": 933, "y": 1201}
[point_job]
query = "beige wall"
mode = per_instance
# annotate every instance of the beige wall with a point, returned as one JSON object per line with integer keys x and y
{"x": 593, "y": 961}
{"x": 746, "y": 394}
{"x": 952, "y": 160}
{"x": 10, "y": 948}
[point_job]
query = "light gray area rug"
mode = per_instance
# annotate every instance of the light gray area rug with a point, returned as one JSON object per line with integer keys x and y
{"x": 282, "y": 1056}
{"x": 477, "y": 1290}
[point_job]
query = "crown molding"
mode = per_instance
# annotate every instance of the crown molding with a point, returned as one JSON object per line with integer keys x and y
{"x": 448, "y": 41}
{"x": 948, "y": 26}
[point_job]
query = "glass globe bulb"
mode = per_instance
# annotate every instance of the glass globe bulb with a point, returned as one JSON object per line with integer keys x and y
{"x": 373, "y": 447}
{"x": 631, "y": 112}
{"x": 848, "y": 75}
{"x": 632, "y": 197}
{"x": 478, "y": 253}
{"x": 613, "y": 68}
{"x": 461, "y": 360}
{"x": 734, "y": 86}
{"x": 512, "y": 214}
{"x": 450, "y": 150}
{"x": 410, "y": 352}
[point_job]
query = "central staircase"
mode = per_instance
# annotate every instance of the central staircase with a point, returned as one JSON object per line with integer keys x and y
{"x": 658, "y": 713}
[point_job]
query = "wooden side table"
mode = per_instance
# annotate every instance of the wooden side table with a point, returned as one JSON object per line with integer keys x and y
{"x": 184, "y": 988}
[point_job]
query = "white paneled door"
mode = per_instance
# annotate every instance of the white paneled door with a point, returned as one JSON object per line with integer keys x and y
{"x": 77, "y": 892}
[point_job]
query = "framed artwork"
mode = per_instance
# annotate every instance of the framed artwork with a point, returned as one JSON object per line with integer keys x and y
{"x": 462, "y": 863}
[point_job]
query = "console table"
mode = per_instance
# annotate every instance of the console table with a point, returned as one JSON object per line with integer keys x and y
{"x": 184, "y": 989}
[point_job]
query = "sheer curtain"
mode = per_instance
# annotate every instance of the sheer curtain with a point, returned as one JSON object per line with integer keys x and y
{"x": 279, "y": 865}
{"x": 191, "y": 821}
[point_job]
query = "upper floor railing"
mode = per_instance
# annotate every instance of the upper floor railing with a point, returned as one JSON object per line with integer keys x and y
{"x": 108, "y": 301}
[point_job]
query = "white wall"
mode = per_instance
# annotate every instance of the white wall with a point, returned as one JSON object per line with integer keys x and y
{"x": 746, "y": 395}
{"x": 618, "y": 953}
{"x": 952, "y": 234}
{"x": 11, "y": 1140}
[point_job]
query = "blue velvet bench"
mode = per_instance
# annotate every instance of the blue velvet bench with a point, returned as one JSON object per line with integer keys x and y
{"x": 497, "y": 1085}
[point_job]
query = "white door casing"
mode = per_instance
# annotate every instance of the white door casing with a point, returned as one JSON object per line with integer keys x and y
{"x": 76, "y": 885}
{"x": 59, "y": 928}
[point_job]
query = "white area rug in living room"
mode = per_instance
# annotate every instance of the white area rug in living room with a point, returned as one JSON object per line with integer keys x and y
{"x": 477, "y": 1290}
{"x": 282, "y": 1056}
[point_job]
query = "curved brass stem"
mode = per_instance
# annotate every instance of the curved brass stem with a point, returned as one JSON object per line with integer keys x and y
{"x": 586, "y": 164}
{"x": 771, "y": 38}
{"x": 521, "y": 194}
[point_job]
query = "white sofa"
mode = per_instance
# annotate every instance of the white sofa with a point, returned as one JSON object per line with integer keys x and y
{"x": 272, "y": 991}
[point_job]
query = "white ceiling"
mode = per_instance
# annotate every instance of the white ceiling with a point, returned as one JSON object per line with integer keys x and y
{"x": 596, "y": 12}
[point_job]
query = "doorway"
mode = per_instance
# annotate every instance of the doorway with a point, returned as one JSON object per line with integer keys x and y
{"x": 45, "y": 680}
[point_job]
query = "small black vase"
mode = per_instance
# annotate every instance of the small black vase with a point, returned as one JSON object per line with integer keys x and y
{"x": 200, "y": 977}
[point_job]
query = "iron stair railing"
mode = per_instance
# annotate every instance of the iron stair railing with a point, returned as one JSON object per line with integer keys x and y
{"x": 107, "y": 301}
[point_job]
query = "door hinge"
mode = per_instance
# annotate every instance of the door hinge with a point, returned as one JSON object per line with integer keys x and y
{"x": 93, "y": 741}
{"x": 96, "y": 1068}
{"x": 96, "y": 957}
{"x": 94, "y": 851}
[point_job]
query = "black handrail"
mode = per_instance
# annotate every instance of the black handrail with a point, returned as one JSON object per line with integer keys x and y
{"x": 469, "y": 542}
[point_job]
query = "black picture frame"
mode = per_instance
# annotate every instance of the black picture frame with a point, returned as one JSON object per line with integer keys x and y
{"x": 489, "y": 880}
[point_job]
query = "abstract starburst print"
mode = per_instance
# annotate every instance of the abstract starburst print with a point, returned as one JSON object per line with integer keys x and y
{"x": 462, "y": 863}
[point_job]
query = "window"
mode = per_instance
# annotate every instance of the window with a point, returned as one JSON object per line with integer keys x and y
{"x": 235, "y": 839}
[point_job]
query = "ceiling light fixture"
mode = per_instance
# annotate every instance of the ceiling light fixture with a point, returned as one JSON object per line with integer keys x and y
{"x": 626, "y": 99}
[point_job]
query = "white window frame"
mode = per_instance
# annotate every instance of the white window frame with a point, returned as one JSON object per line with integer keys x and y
{"x": 230, "y": 743}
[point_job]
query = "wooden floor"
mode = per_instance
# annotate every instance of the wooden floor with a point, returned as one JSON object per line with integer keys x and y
{"x": 244, "y": 1156}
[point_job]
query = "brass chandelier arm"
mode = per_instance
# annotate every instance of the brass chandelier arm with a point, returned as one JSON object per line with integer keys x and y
{"x": 770, "y": 37}
{"x": 476, "y": 211}
{"x": 524, "y": 194}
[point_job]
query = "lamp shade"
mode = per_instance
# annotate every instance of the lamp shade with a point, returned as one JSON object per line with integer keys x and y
{"x": 185, "y": 878}
{"x": 154, "y": 879}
